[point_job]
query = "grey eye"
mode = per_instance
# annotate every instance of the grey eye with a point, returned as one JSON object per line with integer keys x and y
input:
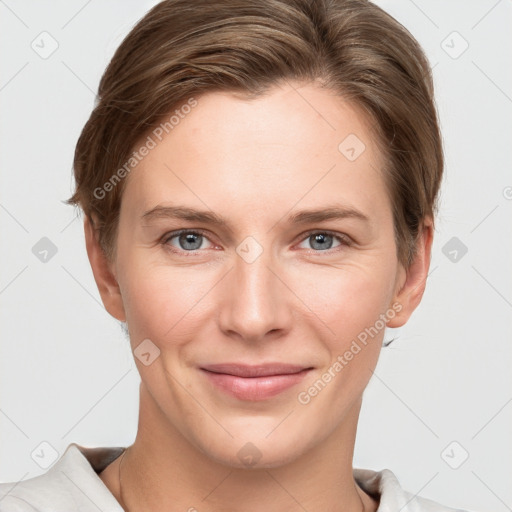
{"x": 321, "y": 241}
{"x": 187, "y": 241}
{"x": 190, "y": 241}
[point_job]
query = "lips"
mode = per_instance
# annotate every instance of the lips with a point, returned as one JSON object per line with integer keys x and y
{"x": 248, "y": 371}
{"x": 249, "y": 382}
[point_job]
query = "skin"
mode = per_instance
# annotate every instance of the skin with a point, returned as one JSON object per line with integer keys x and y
{"x": 254, "y": 162}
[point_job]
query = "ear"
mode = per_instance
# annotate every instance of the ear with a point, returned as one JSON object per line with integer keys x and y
{"x": 104, "y": 273}
{"x": 411, "y": 281}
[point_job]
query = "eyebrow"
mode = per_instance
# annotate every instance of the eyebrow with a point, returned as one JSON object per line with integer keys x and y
{"x": 310, "y": 216}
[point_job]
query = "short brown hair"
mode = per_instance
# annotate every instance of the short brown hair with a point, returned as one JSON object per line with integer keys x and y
{"x": 181, "y": 49}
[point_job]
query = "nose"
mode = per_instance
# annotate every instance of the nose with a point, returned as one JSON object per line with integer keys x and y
{"x": 256, "y": 303}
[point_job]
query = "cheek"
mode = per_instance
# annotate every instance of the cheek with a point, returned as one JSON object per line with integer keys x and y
{"x": 348, "y": 304}
{"x": 351, "y": 302}
{"x": 347, "y": 299}
{"x": 162, "y": 301}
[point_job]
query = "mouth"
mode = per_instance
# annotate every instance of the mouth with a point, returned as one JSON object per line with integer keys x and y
{"x": 254, "y": 383}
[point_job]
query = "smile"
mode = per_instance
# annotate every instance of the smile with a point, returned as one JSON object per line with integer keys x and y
{"x": 254, "y": 383}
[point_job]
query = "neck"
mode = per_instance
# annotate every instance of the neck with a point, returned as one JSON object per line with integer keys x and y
{"x": 163, "y": 470}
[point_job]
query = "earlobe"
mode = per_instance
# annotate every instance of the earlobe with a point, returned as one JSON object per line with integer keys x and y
{"x": 103, "y": 273}
{"x": 410, "y": 289}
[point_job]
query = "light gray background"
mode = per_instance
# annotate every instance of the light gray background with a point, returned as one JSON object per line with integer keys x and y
{"x": 67, "y": 374}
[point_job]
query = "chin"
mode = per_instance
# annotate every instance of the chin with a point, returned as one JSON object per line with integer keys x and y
{"x": 252, "y": 456}
{"x": 250, "y": 448}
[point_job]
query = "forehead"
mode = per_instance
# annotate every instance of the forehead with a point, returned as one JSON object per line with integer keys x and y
{"x": 294, "y": 143}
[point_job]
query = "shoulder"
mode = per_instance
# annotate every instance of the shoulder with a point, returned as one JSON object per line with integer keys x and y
{"x": 37, "y": 493}
{"x": 72, "y": 483}
{"x": 384, "y": 486}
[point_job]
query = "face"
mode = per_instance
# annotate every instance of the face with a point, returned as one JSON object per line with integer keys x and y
{"x": 256, "y": 252}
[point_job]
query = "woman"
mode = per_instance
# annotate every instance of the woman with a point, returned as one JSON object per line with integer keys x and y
{"x": 259, "y": 181}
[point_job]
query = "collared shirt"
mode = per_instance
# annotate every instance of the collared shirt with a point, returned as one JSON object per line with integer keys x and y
{"x": 73, "y": 484}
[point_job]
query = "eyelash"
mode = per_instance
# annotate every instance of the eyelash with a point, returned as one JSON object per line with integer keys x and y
{"x": 344, "y": 240}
